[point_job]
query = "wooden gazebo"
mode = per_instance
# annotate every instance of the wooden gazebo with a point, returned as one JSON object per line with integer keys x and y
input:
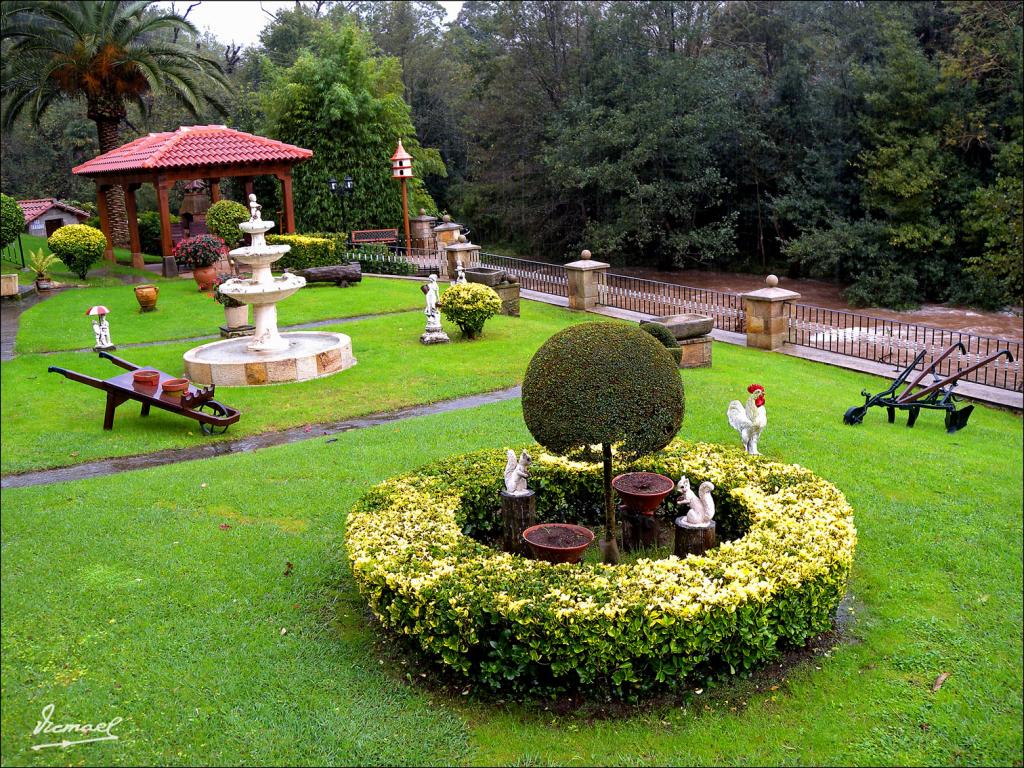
{"x": 209, "y": 152}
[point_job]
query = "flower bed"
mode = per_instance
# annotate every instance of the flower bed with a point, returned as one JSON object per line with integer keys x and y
{"x": 524, "y": 626}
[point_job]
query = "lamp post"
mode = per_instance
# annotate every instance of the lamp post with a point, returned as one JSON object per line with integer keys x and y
{"x": 401, "y": 168}
{"x": 343, "y": 191}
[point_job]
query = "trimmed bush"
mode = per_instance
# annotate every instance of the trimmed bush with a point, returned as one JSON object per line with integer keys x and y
{"x": 12, "y": 220}
{"x": 306, "y": 251}
{"x": 149, "y": 232}
{"x": 662, "y": 334}
{"x": 527, "y": 627}
{"x": 78, "y": 246}
{"x": 469, "y": 306}
{"x": 603, "y": 383}
{"x": 222, "y": 220}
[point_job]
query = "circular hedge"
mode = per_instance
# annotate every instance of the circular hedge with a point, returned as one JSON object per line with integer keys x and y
{"x": 529, "y": 627}
{"x": 78, "y": 246}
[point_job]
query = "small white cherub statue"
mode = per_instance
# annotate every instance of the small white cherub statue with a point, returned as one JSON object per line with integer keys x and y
{"x": 101, "y": 329}
{"x": 702, "y": 506}
{"x": 432, "y": 293}
{"x": 460, "y": 273}
{"x": 516, "y": 472}
{"x": 254, "y": 209}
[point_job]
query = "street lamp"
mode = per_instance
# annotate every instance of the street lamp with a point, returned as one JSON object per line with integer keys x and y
{"x": 343, "y": 191}
{"x": 401, "y": 168}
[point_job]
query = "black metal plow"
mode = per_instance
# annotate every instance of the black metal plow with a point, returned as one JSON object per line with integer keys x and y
{"x": 935, "y": 396}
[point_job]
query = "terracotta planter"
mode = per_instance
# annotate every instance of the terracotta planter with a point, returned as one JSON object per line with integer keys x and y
{"x": 558, "y": 542}
{"x": 205, "y": 277}
{"x": 235, "y": 317}
{"x": 146, "y": 378}
{"x": 643, "y": 492}
{"x": 146, "y": 296}
{"x": 174, "y": 387}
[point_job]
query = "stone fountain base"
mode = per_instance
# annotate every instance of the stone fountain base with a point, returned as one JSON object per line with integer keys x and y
{"x": 230, "y": 363}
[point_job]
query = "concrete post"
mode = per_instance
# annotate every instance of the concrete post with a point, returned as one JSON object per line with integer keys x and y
{"x": 461, "y": 251}
{"x": 583, "y": 279}
{"x": 445, "y": 234}
{"x": 766, "y": 314}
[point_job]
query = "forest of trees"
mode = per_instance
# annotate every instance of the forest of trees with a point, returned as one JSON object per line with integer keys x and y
{"x": 877, "y": 144}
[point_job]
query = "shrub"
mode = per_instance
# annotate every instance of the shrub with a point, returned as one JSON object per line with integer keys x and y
{"x": 666, "y": 337}
{"x": 527, "y": 627}
{"x": 149, "y": 232}
{"x": 78, "y": 246}
{"x": 604, "y": 383}
{"x": 373, "y": 258}
{"x": 222, "y": 220}
{"x": 199, "y": 251}
{"x": 469, "y": 306}
{"x": 40, "y": 262}
{"x": 305, "y": 251}
{"x": 12, "y": 220}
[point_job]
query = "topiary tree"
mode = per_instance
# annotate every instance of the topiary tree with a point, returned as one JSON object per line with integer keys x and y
{"x": 222, "y": 220}
{"x": 604, "y": 383}
{"x": 666, "y": 337}
{"x": 12, "y": 220}
{"x": 78, "y": 246}
{"x": 469, "y": 306}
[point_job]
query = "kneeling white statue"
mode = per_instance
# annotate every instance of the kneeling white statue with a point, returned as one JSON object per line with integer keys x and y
{"x": 702, "y": 505}
{"x": 516, "y": 473}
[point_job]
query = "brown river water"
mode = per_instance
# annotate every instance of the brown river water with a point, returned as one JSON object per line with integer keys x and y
{"x": 1006, "y": 325}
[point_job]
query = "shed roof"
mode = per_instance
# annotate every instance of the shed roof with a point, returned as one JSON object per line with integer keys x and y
{"x": 192, "y": 146}
{"x": 33, "y": 209}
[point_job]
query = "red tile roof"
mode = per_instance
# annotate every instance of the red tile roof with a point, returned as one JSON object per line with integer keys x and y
{"x": 33, "y": 209}
{"x": 192, "y": 146}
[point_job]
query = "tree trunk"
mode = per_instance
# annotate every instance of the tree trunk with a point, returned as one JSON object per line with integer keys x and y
{"x": 517, "y": 514}
{"x": 106, "y": 128}
{"x": 609, "y": 548}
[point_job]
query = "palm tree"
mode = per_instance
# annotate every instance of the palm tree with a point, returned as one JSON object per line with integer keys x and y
{"x": 109, "y": 53}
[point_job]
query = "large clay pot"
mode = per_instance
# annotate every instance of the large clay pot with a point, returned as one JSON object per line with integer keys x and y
{"x": 147, "y": 295}
{"x": 235, "y": 317}
{"x": 643, "y": 492}
{"x": 558, "y": 542}
{"x": 205, "y": 277}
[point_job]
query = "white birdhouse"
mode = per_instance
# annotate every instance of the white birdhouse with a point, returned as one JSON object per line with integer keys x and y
{"x": 401, "y": 163}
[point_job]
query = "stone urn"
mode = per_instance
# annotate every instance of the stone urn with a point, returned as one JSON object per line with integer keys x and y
{"x": 205, "y": 277}
{"x": 236, "y": 316}
{"x": 147, "y": 295}
{"x": 558, "y": 542}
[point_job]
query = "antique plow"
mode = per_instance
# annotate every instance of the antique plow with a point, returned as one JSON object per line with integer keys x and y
{"x": 936, "y": 396}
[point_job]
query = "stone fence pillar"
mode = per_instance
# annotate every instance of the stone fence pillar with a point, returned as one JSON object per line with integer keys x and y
{"x": 445, "y": 234}
{"x": 461, "y": 251}
{"x": 766, "y": 314}
{"x": 583, "y": 278}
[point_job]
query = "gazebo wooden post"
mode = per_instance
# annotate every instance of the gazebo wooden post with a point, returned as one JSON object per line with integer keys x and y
{"x": 247, "y": 182}
{"x": 163, "y": 205}
{"x": 101, "y": 207}
{"x": 214, "y": 190}
{"x": 285, "y": 178}
{"x": 134, "y": 241}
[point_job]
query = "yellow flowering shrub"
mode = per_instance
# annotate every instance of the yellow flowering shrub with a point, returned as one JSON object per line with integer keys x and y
{"x": 469, "y": 306}
{"x": 305, "y": 251}
{"x": 525, "y": 626}
{"x": 79, "y": 246}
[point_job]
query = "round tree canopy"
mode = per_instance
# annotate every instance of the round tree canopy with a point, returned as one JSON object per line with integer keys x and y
{"x": 603, "y": 383}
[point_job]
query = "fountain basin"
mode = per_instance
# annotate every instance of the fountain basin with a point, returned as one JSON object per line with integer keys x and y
{"x": 230, "y": 363}
{"x": 251, "y": 292}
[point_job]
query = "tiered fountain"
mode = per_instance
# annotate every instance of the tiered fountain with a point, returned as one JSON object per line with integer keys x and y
{"x": 268, "y": 357}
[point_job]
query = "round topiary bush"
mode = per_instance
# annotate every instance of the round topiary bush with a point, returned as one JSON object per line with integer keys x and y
{"x": 527, "y": 627}
{"x": 607, "y": 384}
{"x": 469, "y": 306}
{"x": 12, "y": 220}
{"x": 662, "y": 334}
{"x": 78, "y": 246}
{"x": 223, "y": 218}
{"x": 149, "y": 232}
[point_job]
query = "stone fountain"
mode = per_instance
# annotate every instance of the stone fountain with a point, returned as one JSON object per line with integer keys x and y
{"x": 269, "y": 356}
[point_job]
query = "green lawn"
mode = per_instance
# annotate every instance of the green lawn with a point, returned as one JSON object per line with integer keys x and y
{"x": 184, "y": 312}
{"x": 130, "y": 596}
{"x": 102, "y": 273}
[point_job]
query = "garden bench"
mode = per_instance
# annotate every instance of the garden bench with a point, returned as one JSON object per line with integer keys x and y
{"x": 194, "y": 403}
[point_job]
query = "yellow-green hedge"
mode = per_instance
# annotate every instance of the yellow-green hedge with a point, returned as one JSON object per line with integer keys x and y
{"x": 525, "y": 626}
{"x": 305, "y": 251}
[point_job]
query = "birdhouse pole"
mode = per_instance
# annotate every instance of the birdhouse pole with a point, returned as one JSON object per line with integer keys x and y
{"x": 401, "y": 169}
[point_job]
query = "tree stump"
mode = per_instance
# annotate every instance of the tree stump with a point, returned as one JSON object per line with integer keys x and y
{"x": 517, "y": 514}
{"x": 339, "y": 274}
{"x": 693, "y": 539}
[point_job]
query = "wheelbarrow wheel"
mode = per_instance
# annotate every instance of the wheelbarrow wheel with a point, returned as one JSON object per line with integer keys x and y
{"x": 854, "y": 415}
{"x": 216, "y": 410}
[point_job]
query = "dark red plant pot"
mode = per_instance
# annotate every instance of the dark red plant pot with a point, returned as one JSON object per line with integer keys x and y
{"x": 638, "y": 498}
{"x": 558, "y": 554}
{"x": 174, "y": 387}
{"x": 146, "y": 378}
{"x": 205, "y": 277}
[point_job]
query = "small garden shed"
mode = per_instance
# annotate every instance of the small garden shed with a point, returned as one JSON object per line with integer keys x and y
{"x": 45, "y": 216}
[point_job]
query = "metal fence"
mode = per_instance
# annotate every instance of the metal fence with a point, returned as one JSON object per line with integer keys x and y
{"x": 425, "y": 261}
{"x": 651, "y": 297}
{"x": 896, "y": 343}
{"x": 532, "y": 275}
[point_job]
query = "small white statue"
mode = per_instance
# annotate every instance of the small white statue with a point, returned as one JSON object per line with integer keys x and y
{"x": 254, "y": 209}
{"x": 516, "y": 473}
{"x": 749, "y": 421}
{"x": 101, "y": 329}
{"x": 702, "y": 505}
{"x": 433, "y": 293}
{"x": 460, "y": 273}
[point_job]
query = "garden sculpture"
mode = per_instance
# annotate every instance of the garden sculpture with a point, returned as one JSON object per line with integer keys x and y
{"x": 254, "y": 209}
{"x": 516, "y": 473}
{"x": 751, "y": 420}
{"x": 460, "y": 273}
{"x": 701, "y": 504}
{"x": 434, "y": 333}
{"x": 100, "y": 328}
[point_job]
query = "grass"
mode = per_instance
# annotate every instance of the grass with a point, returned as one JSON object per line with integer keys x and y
{"x": 394, "y": 370}
{"x": 103, "y": 273}
{"x": 127, "y": 596}
{"x": 184, "y": 312}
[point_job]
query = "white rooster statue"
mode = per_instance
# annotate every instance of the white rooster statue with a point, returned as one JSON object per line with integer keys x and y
{"x": 749, "y": 421}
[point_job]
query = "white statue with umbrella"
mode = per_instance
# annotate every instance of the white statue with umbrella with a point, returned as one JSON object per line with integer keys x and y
{"x": 100, "y": 327}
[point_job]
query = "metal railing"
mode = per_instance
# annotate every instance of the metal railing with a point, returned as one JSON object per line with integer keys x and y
{"x": 897, "y": 343}
{"x": 651, "y": 297}
{"x": 424, "y": 260}
{"x": 532, "y": 275}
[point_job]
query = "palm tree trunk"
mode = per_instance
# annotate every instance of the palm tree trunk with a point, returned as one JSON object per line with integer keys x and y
{"x": 107, "y": 128}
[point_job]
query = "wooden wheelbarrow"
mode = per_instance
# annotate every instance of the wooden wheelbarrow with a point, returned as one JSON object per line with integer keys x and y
{"x": 196, "y": 403}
